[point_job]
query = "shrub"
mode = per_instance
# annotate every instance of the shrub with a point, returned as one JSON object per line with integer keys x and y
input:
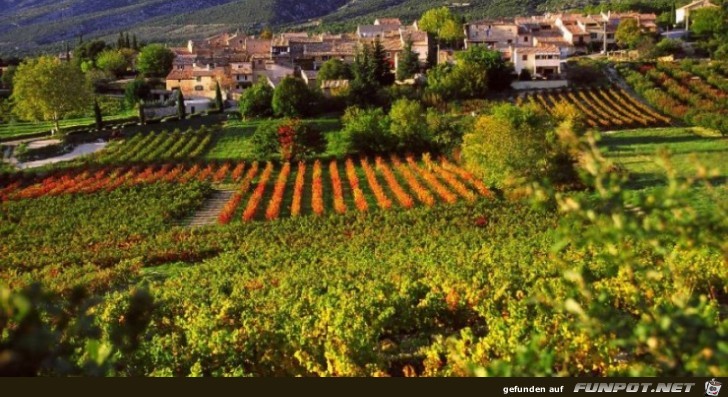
{"x": 510, "y": 144}
{"x": 289, "y": 139}
{"x": 256, "y": 100}
{"x": 291, "y": 98}
{"x": 365, "y": 131}
{"x": 409, "y": 126}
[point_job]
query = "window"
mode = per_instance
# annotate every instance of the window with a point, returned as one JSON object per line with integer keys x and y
{"x": 525, "y": 39}
{"x": 510, "y": 41}
{"x": 593, "y": 36}
{"x": 199, "y": 78}
{"x": 610, "y": 36}
{"x": 525, "y": 58}
{"x": 199, "y": 88}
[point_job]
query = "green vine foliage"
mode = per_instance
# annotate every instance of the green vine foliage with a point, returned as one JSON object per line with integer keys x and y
{"x": 607, "y": 281}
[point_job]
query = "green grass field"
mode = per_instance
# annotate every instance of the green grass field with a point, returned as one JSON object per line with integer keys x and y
{"x": 689, "y": 148}
{"x": 20, "y": 129}
{"x": 234, "y": 142}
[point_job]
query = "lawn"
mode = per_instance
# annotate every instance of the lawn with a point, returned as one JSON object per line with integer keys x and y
{"x": 20, "y": 129}
{"x": 234, "y": 141}
{"x": 688, "y": 147}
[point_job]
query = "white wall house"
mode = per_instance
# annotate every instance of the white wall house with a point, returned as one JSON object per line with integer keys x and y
{"x": 492, "y": 34}
{"x": 545, "y": 61}
{"x": 682, "y": 14}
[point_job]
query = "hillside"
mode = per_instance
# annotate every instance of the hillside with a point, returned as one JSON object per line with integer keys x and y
{"x": 28, "y": 26}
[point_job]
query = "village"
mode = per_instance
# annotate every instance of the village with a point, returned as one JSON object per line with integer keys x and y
{"x": 537, "y": 43}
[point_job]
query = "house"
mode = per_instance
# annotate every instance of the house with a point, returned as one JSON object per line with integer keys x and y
{"x": 380, "y": 29}
{"x": 646, "y": 22}
{"x": 310, "y": 77}
{"x": 199, "y": 81}
{"x": 392, "y": 45}
{"x": 318, "y": 53}
{"x": 571, "y": 31}
{"x": 492, "y": 34}
{"x": 273, "y": 73}
{"x": 334, "y": 87}
{"x": 258, "y": 47}
{"x": 543, "y": 60}
{"x": 420, "y": 42}
{"x": 682, "y": 14}
{"x": 242, "y": 75}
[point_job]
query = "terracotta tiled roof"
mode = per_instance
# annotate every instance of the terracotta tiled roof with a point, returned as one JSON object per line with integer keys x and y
{"x": 258, "y": 46}
{"x": 546, "y": 49}
{"x": 575, "y": 30}
{"x": 332, "y": 48}
{"x": 177, "y": 74}
{"x": 416, "y": 36}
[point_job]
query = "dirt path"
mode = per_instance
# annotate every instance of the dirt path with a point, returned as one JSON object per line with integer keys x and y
{"x": 207, "y": 215}
{"x": 78, "y": 151}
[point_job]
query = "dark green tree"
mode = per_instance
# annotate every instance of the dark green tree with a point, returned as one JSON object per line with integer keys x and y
{"x": 134, "y": 43}
{"x": 7, "y": 77}
{"x": 218, "y": 97}
{"x": 363, "y": 89}
{"x": 155, "y": 60}
{"x": 525, "y": 75}
{"x": 334, "y": 69}
{"x": 409, "y": 63}
{"x": 120, "y": 41}
{"x": 127, "y": 42}
{"x": 291, "y": 98}
{"x": 382, "y": 66}
{"x": 181, "y": 110}
{"x": 142, "y": 116}
{"x": 628, "y": 33}
{"x": 98, "y": 117}
{"x": 136, "y": 90}
{"x": 256, "y": 100}
{"x": 89, "y": 51}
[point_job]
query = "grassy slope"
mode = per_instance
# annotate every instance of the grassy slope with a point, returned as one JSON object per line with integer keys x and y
{"x": 13, "y": 130}
{"x": 689, "y": 148}
{"x": 234, "y": 142}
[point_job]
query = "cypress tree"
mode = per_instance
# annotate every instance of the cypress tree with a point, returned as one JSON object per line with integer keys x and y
{"x": 68, "y": 52}
{"x": 218, "y": 98}
{"x": 142, "y": 117}
{"x": 181, "y": 111}
{"x": 134, "y": 43}
{"x": 120, "y": 41}
{"x": 381, "y": 64}
{"x": 408, "y": 64}
{"x": 127, "y": 43}
{"x": 98, "y": 116}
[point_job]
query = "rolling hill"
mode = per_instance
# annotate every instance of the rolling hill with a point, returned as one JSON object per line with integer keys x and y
{"x": 28, "y": 26}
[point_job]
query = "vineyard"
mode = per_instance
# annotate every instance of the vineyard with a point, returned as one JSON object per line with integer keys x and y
{"x": 267, "y": 192}
{"x": 192, "y": 253}
{"x": 95, "y": 180}
{"x": 602, "y": 108}
{"x": 694, "y": 92}
{"x": 157, "y": 147}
